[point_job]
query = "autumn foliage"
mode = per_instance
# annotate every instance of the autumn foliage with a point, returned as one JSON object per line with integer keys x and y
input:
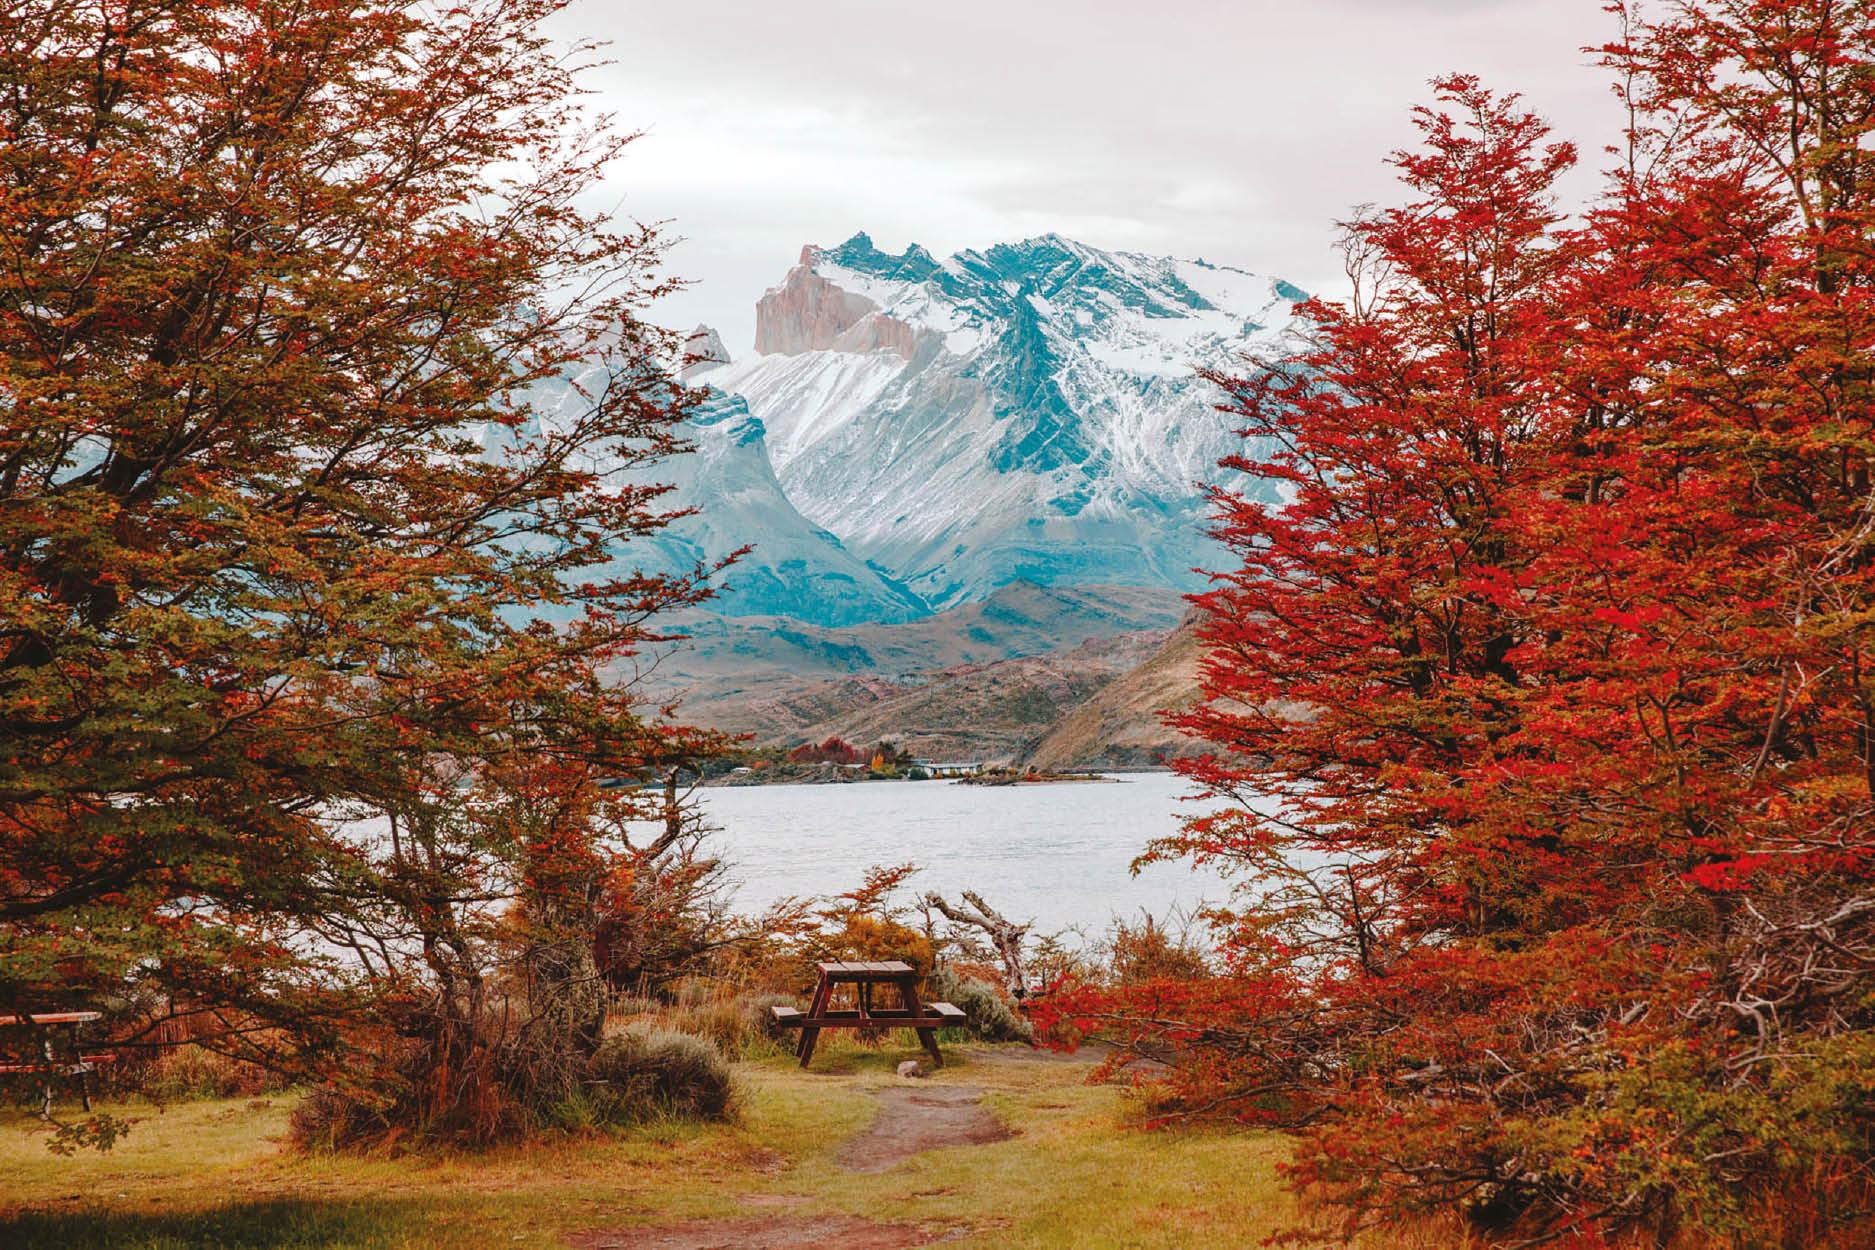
{"x": 834, "y": 750}
{"x": 313, "y": 568}
{"x": 1539, "y": 704}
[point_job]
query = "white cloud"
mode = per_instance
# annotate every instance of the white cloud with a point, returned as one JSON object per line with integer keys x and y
{"x": 1239, "y": 130}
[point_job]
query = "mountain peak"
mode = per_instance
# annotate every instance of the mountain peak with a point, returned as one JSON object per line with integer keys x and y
{"x": 703, "y": 350}
{"x": 1054, "y": 240}
{"x": 861, "y": 255}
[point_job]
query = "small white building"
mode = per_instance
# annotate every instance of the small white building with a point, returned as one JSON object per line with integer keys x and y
{"x": 954, "y": 768}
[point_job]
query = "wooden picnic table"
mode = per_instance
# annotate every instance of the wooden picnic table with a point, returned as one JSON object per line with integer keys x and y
{"x": 51, "y": 1028}
{"x": 864, "y": 978}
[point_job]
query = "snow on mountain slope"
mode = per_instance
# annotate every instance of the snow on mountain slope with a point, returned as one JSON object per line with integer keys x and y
{"x": 817, "y": 391}
{"x": 797, "y": 569}
{"x": 1030, "y": 411}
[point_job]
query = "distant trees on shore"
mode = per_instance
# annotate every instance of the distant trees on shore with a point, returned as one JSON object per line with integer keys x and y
{"x": 833, "y": 751}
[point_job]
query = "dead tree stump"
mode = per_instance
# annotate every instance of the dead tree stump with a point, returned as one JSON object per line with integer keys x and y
{"x": 1004, "y": 935}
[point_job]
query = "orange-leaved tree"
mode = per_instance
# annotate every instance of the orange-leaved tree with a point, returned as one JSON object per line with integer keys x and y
{"x": 1540, "y": 699}
{"x": 306, "y": 543}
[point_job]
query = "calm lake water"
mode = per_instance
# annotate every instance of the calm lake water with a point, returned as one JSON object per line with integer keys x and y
{"x": 1056, "y": 853}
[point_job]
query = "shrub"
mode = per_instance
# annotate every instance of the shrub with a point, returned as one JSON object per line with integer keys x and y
{"x": 986, "y": 1013}
{"x": 1052, "y": 962}
{"x": 832, "y": 751}
{"x": 330, "y": 1118}
{"x": 412, "y": 1097}
{"x": 740, "y": 1025}
{"x": 643, "y": 1073}
{"x": 178, "y": 1073}
{"x": 661, "y": 915}
{"x": 720, "y": 1021}
{"x": 1150, "y": 953}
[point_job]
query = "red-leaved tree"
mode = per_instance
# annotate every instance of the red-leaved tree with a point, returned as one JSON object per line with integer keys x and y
{"x": 1539, "y": 703}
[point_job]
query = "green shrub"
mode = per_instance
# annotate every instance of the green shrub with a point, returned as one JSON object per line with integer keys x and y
{"x": 986, "y": 1014}
{"x": 643, "y": 1073}
{"x": 741, "y": 1025}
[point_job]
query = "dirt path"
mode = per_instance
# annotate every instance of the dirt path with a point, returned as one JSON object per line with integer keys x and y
{"x": 912, "y": 1117}
{"x": 916, "y": 1118}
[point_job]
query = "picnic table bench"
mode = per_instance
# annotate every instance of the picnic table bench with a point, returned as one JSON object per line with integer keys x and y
{"x": 52, "y": 1028}
{"x": 925, "y": 1018}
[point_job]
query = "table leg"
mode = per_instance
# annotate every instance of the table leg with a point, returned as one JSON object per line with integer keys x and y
{"x": 45, "y": 1101}
{"x": 84, "y": 1069}
{"x": 908, "y": 994}
{"x": 823, "y": 992}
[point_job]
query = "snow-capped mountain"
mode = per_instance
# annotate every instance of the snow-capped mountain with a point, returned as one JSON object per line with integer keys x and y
{"x": 913, "y": 434}
{"x": 797, "y": 569}
{"x": 1026, "y": 412}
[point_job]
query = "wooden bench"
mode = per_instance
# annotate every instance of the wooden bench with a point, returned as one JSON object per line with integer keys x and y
{"x": 924, "y": 1018}
{"x": 49, "y": 1065}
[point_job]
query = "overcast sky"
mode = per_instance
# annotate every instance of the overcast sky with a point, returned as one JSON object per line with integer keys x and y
{"x": 1235, "y": 130}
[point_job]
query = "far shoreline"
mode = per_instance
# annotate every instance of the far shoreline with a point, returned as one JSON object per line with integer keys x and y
{"x": 768, "y": 777}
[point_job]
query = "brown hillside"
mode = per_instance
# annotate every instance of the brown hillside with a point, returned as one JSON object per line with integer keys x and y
{"x": 939, "y": 680}
{"x": 971, "y": 711}
{"x": 1121, "y": 726}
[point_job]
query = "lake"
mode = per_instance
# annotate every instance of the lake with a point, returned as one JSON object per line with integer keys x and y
{"x": 1056, "y": 853}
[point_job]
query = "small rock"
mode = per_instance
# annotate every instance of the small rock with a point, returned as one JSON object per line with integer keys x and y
{"x": 911, "y": 1067}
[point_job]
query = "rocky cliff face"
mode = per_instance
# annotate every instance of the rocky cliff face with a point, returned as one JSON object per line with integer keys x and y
{"x": 809, "y": 313}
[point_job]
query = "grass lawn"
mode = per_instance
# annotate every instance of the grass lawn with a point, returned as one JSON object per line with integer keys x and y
{"x": 1076, "y": 1174}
